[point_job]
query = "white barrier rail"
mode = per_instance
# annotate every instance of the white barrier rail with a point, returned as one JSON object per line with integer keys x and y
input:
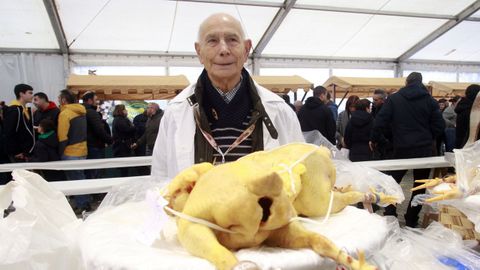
{"x": 79, "y": 164}
{"x": 91, "y": 186}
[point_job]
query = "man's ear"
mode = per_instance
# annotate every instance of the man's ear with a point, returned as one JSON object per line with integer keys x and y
{"x": 248, "y": 46}
{"x": 197, "y": 49}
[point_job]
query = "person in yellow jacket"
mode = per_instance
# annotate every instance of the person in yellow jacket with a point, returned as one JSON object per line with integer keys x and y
{"x": 72, "y": 138}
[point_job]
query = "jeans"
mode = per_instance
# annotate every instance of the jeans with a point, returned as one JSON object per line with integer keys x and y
{"x": 82, "y": 201}
{"x": 449, "y": 139}
{"x": 411, "y": 217}
{"x": 94, "y": 153}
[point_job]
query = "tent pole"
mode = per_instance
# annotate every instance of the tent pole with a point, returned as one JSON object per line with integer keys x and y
{"x": 344, "y": 96}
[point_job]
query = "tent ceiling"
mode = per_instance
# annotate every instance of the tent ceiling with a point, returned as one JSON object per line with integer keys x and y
{"x": 439, "y": 7}
{"x": 25, "y": 24}
{"x": 369, "y": 29}
{"x": 458, "y": 44}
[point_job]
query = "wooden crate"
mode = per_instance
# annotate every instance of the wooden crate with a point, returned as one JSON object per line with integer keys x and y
{"x": 453, "y": 219}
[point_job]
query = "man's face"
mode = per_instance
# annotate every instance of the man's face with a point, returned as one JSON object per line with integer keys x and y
{"x": 221, "y": 48}
{"x": 27, "y": 96}
{"x": 38, "y": 102}
{"x": 323, "y": 97}
{"x": 377, "y": 100}
{"x": 442, "y": 105}
{"x": 151, "y": 110}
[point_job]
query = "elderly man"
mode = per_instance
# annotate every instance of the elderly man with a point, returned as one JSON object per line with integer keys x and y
{"x": 225, "y": 114}
{"x": 149, "y": 137}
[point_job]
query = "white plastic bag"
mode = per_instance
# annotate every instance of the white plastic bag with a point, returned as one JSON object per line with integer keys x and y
{"x": 433, "y": 248}
{"x": 361, "y": 178}
{"x": 40, "y": 231}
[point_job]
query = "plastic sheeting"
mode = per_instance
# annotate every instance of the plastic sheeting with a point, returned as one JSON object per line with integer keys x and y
{"x": 45, "y": 73}
{"x": 433, "y": 248}
{"x": 39, "y": 233}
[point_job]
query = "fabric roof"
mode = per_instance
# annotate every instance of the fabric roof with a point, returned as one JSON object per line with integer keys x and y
{"x": 128, "y": 87}
{"x": 283, "y": 84}
{"x": 164, "y": 87}
{"x": 447, "y": 89}
{"x": 362, "y": 87}
{"x": 373, "y": 29}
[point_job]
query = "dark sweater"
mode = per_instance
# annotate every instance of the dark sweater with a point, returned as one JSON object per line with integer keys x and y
{"x": 315, "y": 115}
{"x": 463, "y": 110}
{"x": 123, "y": 136}
{"x": 414, "y": 117}
{"x": 51, "y": 112}
{"x": 228, "y": 120}
{"x": 18, "y": 130}
{"x": 97, "y": 136}
{"x": 357, "y": 136}
{"x": 46, "y": 149}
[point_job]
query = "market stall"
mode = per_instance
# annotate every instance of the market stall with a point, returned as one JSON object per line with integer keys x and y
{"x": 284, "y": 84}
{"x": 447, "y": 89}
{"x": 362, "y": 87}
{"x": 128, "y": 87}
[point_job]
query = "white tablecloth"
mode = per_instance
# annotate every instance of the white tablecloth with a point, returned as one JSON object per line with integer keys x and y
{"x": 108, "y": 241}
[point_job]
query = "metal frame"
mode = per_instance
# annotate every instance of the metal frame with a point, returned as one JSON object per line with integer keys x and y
{"x": 272, "y": 28}
{"x": 56, "y": 25}
{"x": 257, "y": 59}
{"x": 467, "y": 12}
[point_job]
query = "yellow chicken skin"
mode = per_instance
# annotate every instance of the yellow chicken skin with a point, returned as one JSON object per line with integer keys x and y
{"x": 255, "y": 200}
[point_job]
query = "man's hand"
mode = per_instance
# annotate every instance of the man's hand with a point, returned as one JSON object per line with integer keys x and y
{"x": 372, "y": 145}
{"x": 134, "y": 146}
{"x": 20, "y": 156}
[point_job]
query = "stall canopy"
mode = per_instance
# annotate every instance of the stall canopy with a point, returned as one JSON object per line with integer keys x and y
{"x": 284, "y": 84}
{"x": 447, "y": 89}
{"x": 128, "y": 87}
{"x": 362, "y": 87}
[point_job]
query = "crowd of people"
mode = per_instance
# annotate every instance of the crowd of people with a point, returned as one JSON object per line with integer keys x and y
{"x": 71, "y": 131}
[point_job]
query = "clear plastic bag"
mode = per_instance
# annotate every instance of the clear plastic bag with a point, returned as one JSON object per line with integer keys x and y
{"x": 39, "y": 230}
{"x": 315, "y": 137}
{"x": 362, "y": 178}
{"x": 134, "y": 191}
{"x": 433, "y": 248}
{"x": 467, "y": 166}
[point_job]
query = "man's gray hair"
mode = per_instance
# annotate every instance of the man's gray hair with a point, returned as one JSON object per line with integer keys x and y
{"x": 381, "y": 93}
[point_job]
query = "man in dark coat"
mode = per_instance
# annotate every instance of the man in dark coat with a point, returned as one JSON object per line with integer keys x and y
{"x": 97, "y": 136}
{"x": 18, "y": 125}
{"x": 416, "y": 121}
{"x": 357, "y": 132}
{"x": 315, "y": 115}
{"x": 46, "y": 109}
{"x": 463, "y": 110}
{"x": 148, "y": 138}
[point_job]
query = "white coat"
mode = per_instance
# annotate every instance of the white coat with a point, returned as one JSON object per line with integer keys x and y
{"x": 174, "y": 147}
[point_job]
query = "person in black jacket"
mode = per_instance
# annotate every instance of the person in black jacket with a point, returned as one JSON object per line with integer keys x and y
{"x": 97, "y": 137}
{"x": 46, "y": 149}
{"x": 315, "y": 115}
{"x": 357, "y": 132}
{"x": 46, "y": 109}
{"x": 415, "y": 119}
{"x": 5, "y": 177}
{"x": 463, "y": 110}
{"x": 123, "y": 135}
{"x": 18, "y": 125}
